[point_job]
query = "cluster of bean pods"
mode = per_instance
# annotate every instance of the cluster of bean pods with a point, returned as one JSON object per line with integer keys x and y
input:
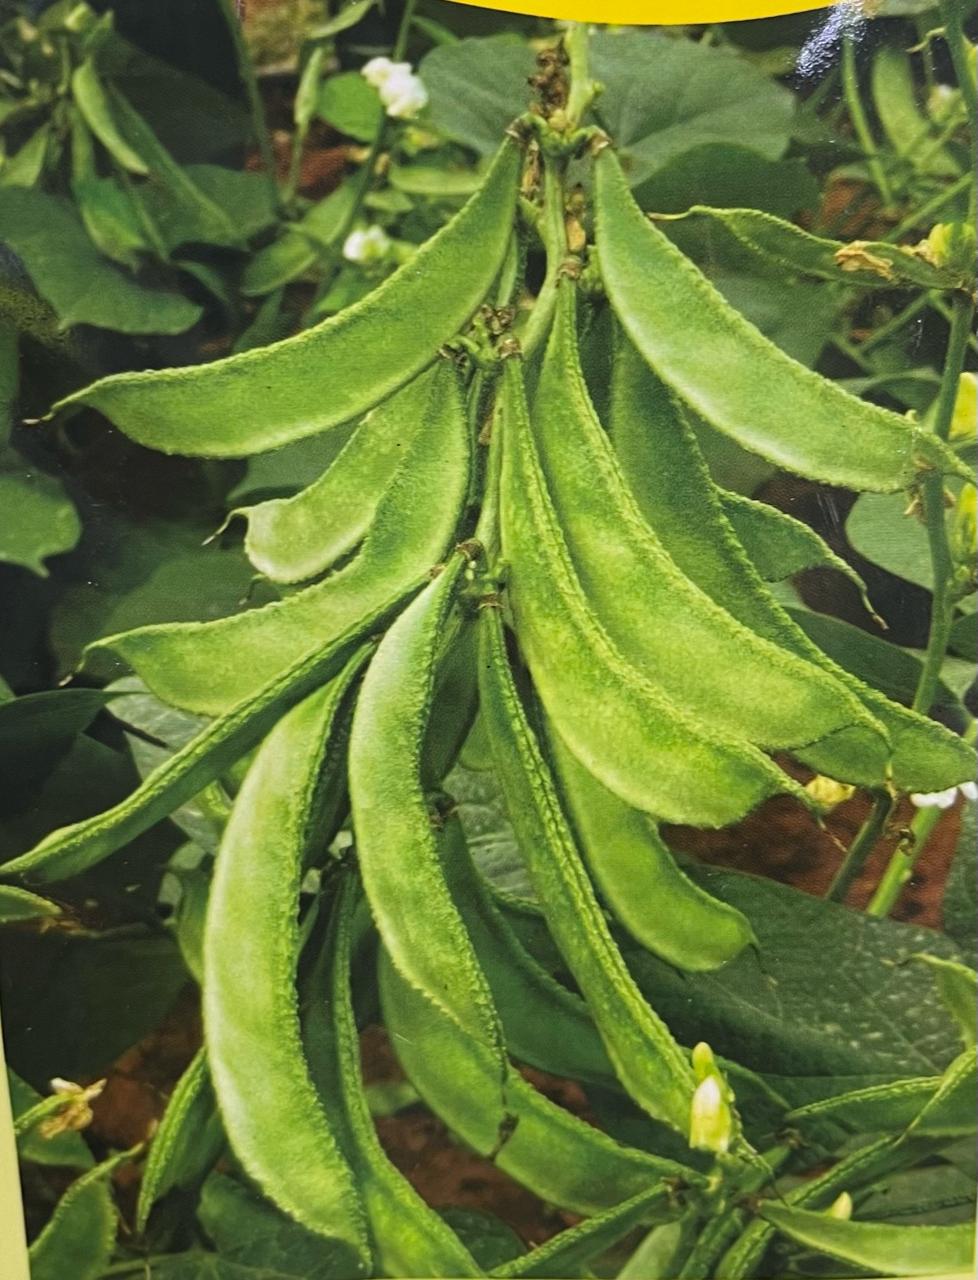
{"x": 582, "y": 589}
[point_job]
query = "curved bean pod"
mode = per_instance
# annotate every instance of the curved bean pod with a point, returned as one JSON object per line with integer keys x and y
{"x": 397, "y": 843}
{"x": 646, "y": 1058}
{"x": 748, "y": 686}
{"x": 19, "y": 904}
{"x": 294, "y": 539}
{"x": 545, "y": 1024}
{"x": 188, "y": 1142}
{"x": 271, "y": 1112}
{"x": 737, "y": 379}
{"x": 622, "y": 728}
{"x": 208, "y": 666}
{"x": 878, "y": 1246}
{"x": 73, "y": 849}
{"x": 543, "y": 1146}
{"x": 334, "y": 372}
{"x": 408, "y": 1237}
{"x": 639, "y": 879}
{"x": 655, "y": 443}
{"x": 77, "y": 1239}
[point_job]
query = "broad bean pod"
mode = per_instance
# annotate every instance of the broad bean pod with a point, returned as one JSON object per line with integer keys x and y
{"x": 572, "y": 1250}
{"x": 542, "y": 1145}
{"x": 272, "y": 1115}
{"x": 737, "y": 379}
{"x": 77, "y": 1239}
{"x": 878, "y": 1246}
{"x": 294, "y": 539}
{"x": 336, "y": 371}
{"x": 655, "y": 443}
{"x": 208, "y": 666}
{"x": 638, "y": 877}
{"x": 70, "y": 850}
{"x": 623, "y": 728}
{"x": 407, "y": 1236}
{"x": 745, "y": 684}
{"x": 398, "y": 844}
{"x": 647, "y": 1060}
{"x": 188, "y": 1142}
{"x": 20, "y": 904}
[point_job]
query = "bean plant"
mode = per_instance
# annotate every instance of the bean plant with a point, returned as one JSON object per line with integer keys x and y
{"x": 520, "y": 566}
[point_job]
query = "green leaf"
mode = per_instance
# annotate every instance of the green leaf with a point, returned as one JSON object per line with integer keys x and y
{"x": 476, "y": 87}
{"x": 25, "y": 167}
{"x": 63, "y": 1011}
{"x": 81, "y": 1232}
{"x": 960, "y": 898}
{"x": 434, "y": 183}
{"x": 39, "y": 519}
{"x": 881, "y": 529}
{"x": 490, "y": 1241}
{"x": 111, "y": 219}
{"x": 348, "y": 16}
{"x": 351, "y": 105}
{"x": 727, "y": 175}
{"x": 39, "y": 728}
{"x": 957, "y": 986}
{"x": 244, "y": 196}
{"x": 664, "y": 96}
{"x": 69, "y": 272}
{"x": 278, "y": 263}
{"x": 17, "y": 905}
{"x": 249, "y": 1232}
{"x": 879, "y": 1247}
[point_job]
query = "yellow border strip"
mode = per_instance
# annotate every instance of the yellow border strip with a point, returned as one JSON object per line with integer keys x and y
{"x": 651, "y": 12}
{"x": 14, "y": 1241}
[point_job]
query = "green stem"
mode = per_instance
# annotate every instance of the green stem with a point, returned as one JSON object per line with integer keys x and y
{"x": 962, "y": 58}
{"x": 921, "y": 216}
{"x": 246, "y": 70}
{"x": 554, "y": 233}
{"x": 365, "y": 177}
{"x": 862, "y": 846}
{"x": 582, "y": 87}
{"x": 907, "y": 854}
{"x": 860, "y": 122}
{"x": 932, "y": 496}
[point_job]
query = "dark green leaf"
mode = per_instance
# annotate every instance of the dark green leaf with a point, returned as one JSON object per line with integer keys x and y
{"x": 61, "y": 1150}
{"x": 39, "y": 519}
{"x": 728, "y": 175}
{"x": 960, "y": 898}
{"x": 476, "y": 87}
{"x": 351, "y": 105}
{"x": 70, "y": 273}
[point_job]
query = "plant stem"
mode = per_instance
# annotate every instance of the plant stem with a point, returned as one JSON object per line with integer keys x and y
{"x": 962, "y": 58}
{"x": 554, "y": 233}
{"x": 932, "y": 496}
{"x": 582, "y": 87}
{"x": 907, "y": 854}
{"x": 862, "y": 846}
{"x": 860, "y": 122}
{"x": 920, "y": 216}
{"x": 246, "y": 70}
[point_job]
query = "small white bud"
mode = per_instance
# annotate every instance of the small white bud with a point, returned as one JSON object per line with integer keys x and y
{"x": 710, "y": 1121}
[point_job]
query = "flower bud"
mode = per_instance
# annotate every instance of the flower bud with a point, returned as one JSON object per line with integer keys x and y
{"x": 964, "y": 421}
{"x": 841, "y": 1208}
{"x": 711, "y": 1126}
{"x": 964, "y": 530}
{"x": 827, "y": 793}
{"x": 704, "y": 1063}
{"x": 366, "y": 246}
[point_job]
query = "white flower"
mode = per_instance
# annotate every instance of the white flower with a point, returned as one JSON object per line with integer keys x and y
{"x": 401, "y": 91}
{"x": 366, "y": 246}
{"x": 944, "y": 799}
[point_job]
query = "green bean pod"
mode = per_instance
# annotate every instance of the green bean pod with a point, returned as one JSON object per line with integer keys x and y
{"x": 408, "y": 1237}
{"x": 646, "y": 1058}
{"x": 951, "y": 1111}
{"x": 78, "y": 1238}
{"x": 878, "y": 1246}
{"x": 70, "y": 850}
{"x": 544, "y": 1024}
{"x": 623, "y": 729}
{"x": 397, "y": 842}
{"x": 543, "y": 1146}
{"x": 294, "y": 539}
{"x": 869, "y": 264}
{"x": 638, "y": 877}
{"x": 748, "y": 686}
{"x": 188, "y": 1142}
{"x": 779, "y": 545}
{"x": 206, "y": 667}
{"x": 655, "y": 443}
{"x": 272, "y": 1115}
{"x": 570, "y": 1252}
{"x": 336, "y": 371}
{"x": 737, "y": 379}
{"x": 19, "y": 904}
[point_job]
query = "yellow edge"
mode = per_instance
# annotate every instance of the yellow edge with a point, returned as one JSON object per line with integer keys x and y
{"x": 649, "y": 12}
{"x": 13, "y": 1243}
